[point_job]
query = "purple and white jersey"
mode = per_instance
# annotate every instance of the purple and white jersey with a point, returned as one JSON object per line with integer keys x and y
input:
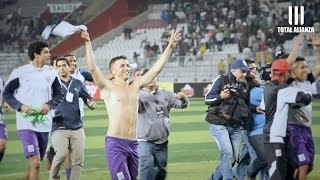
{"x": 33, "y": 87}
{"x": 303, "y": 115}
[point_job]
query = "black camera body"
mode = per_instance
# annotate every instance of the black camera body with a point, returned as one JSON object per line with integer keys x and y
{"x": 233, "y": 87}
{"x": 266, "y": 72}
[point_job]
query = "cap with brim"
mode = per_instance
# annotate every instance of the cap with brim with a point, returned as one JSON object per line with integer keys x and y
{"x": 239, "y": 64}
{"x": 280, "y": 66}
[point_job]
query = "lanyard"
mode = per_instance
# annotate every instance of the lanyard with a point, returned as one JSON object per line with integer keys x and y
{"x": 62, "y": 84}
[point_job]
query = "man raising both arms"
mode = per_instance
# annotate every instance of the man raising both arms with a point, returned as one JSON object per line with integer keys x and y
{"x": 121, "y": 100}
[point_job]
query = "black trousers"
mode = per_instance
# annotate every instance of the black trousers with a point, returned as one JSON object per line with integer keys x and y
{"x": 280, "y": 161}
{"x": 260, "y": 163}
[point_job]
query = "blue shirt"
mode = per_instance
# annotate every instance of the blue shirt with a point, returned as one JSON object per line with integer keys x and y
{"x": 258, "y": 120}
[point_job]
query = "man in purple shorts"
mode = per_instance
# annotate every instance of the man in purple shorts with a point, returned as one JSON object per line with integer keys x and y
{"x": 3, "y": 129}
{"x": 33, "y": 90}
{"x": 121, "y": 100}
{"x": 299, "y": 120}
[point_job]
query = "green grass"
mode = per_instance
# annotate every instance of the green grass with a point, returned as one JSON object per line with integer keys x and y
{"x": 193, "y": 154}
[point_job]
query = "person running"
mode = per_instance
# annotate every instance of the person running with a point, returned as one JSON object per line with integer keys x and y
{"x": 83, "y": 76}
{"x": 67, "y": 127}
{"x": 33, "y": 90}
{"x": 153, "y": 129}
{"x": 300, "y": 119}
{"x": 121, "y": 101}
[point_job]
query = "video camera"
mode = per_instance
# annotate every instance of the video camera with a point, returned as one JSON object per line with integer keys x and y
{"x": 266, "y": 72}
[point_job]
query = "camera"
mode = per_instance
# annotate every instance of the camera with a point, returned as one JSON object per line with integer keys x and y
{"x": 266, "y": 72}
{"x": 233, "y": 87}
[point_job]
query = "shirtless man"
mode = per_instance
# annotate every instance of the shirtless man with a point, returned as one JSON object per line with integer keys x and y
{"x": 121, "y": 101}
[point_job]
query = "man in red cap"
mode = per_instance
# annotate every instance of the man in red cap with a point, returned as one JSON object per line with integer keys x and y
{"x": 279, "y": 74}
{"x": 278, "y": 148}
{"x": 280, "y": 70}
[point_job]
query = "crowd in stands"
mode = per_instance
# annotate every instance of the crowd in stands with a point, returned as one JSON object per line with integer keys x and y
{"x": 18, "y": 31}
{"x": 211, "y": 25}
{"x": 21, "y": 31}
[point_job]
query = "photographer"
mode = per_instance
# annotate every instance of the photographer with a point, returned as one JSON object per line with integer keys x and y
{"x": 248, "y": 153}
{"x": 228, "y": 112}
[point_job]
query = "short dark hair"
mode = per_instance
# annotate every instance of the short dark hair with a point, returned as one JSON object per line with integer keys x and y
{"x": 113, "y": 60}
{"x": 67, "y": 55}
{"x": 136, "y": 70}
{"x": 299, "y": 58}
{"x": 36, "y": 47}
{"x": 61, "y": 59}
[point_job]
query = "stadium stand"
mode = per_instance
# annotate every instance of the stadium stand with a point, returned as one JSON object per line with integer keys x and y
{"x": 245, "y": 32}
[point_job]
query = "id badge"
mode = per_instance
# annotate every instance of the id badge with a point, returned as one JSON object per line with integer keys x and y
{"x": 69, "y": 97}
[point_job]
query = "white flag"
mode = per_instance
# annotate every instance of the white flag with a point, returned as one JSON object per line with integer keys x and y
{"x": 63, "y": 29}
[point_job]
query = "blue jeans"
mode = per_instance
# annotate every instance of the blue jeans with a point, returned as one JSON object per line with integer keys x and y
{"x": 247, "y": 155}
{"x": 153, "y": 160}
{"x": 228, "y": 140}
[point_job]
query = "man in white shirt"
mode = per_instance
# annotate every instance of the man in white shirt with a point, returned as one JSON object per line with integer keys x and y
{"x": 33, "y": 90}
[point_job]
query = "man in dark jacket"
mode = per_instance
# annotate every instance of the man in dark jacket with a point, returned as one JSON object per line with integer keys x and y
{"x": 67, "y": 124}
{"x": 228, "y": 112}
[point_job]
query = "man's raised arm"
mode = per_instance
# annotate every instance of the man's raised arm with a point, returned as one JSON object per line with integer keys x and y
{"x": 315, "y": 40}
{"x": 158, "y": 66}
{"x": 295, "y": 49}
{"x": 96, "y": 73}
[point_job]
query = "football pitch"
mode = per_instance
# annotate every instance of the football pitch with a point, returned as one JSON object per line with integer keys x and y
{"x": 193, "y": 154}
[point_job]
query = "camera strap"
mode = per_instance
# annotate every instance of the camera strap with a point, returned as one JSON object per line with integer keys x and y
{"x": 224, "y": 80}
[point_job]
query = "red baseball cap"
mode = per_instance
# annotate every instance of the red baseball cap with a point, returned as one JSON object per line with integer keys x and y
{"x": 280, "y": 66}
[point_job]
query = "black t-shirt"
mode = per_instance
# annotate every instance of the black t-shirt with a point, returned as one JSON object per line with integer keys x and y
{"x": 270, "y": 100}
